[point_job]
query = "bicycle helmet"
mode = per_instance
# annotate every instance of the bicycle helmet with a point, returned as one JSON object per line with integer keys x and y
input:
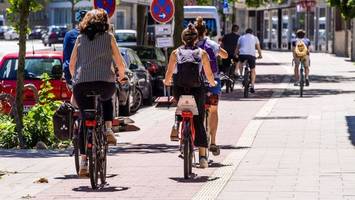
{"x": 79, "y": 15}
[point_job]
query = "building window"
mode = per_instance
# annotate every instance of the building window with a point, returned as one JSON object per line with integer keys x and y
{"x": 120, "y": 19}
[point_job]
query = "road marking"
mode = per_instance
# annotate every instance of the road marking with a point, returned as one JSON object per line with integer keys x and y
{"x": 221, "y": 176}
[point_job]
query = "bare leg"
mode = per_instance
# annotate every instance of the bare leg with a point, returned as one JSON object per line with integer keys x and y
{"x": 108, "y": 124}
{"x": 213, "y": 123}
{"x": 297, "y": 76}
{"x": 306, "y": 72}
{"x": 253, "y": 76}
{"x": 202, "y": 151}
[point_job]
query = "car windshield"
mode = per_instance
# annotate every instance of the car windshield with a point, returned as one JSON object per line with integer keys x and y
{"x": 59, "y": 29}
{"x": 34, "y": 68}
{"x": 145, "y": 53}
{"x": 125, "y": 37}
{"x": 210, "y": 23}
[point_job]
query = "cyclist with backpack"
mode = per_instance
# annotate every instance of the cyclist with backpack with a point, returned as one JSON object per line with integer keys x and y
{"x": 300, "y": 51}
{"x": 213, "y": 93}
{"x": 187, "y": 64}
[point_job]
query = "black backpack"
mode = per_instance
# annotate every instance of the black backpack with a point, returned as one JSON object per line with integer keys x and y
{"x": 63, "y": 121}
{"x": 188, "y": 68}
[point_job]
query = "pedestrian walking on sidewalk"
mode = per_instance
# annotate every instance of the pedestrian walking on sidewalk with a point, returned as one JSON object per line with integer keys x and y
{"x": 213, "y": 93}
{"x": 188, "y": 81}
{"x": 91, "y": 68}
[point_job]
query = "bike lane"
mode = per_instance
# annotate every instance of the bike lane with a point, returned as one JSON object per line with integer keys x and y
{"x": 145, "y": 164}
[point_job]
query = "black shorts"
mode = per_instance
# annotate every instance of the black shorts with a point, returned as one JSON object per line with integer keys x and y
{"x": 250, "y": 60}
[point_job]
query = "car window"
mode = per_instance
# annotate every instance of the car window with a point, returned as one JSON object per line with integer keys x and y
{"x": 34, "y": 68}
{"x": 125, "y": 37}
{"x": 160, "y": 55}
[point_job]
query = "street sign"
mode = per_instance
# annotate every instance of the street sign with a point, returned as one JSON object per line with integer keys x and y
{"x": 164, "y": 42}
{"x": 108, "y": 5}
{"x": 162, "y": 11}
{"x": 226, "y": 7}
{"x": 163, "y": 29}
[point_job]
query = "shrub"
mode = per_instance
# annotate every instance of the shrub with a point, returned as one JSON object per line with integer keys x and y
{"x": 8, "y": 135}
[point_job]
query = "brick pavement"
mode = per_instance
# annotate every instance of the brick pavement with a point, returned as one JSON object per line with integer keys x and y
{"x": 145, "y": 164}
{"x": 304, "y": 147}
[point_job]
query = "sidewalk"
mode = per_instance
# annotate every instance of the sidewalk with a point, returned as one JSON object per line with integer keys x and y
{"x": 304, "y": 147}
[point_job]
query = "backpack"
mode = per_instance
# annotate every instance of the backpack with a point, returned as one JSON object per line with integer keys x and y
{"x": 301, "y": 49}
{"x": 63, "y": 121}
{"x": 188, "y": 68}
{"x": 213, "y": 59}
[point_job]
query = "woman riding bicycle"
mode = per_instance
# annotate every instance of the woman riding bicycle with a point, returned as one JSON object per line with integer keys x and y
{"x": 91, "y": 68}
{"x": 181, "y": 64}
{"x": 213, "y": 93}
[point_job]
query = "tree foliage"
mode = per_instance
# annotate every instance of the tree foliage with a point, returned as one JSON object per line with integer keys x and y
{"x": 346, "y": 7}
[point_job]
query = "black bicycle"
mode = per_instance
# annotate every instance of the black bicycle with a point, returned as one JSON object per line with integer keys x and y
{"x": 228, "y": 78}
{"x": 246, "y": 80}
{"x": 302, "y": 78}
{"x": 96, "y": 142}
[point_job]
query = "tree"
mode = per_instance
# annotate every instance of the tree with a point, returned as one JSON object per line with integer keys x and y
{"x": 18, "y": 13}
{"x": 179, "y": 19}
{"x": 347, "y": 10}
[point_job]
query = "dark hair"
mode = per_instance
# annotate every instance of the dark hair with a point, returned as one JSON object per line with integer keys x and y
{"x": 94, "y": 22}
{"x": 300, "y": 33}
{"x": 249, "y": 30}
{"x": 200, "y": 25}
{"x": 189, "y": 35}
{"x": 235, "y": 28}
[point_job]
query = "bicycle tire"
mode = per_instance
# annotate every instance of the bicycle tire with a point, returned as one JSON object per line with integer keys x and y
{"x": 92, "y": 154}
{"x": 301, "y": 82}
{"x": 187, "y": 154}
{"x": 76, "y": 150}
{"x": 103, "y": 157}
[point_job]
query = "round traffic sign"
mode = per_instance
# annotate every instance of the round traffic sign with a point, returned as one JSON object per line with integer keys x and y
{"x": 162, "y": 11}
{"x": 108, "y": 5}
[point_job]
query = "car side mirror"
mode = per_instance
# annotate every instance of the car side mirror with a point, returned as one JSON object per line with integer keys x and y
{"x": 133, "y": 66}
{"x": 57, "y": 72}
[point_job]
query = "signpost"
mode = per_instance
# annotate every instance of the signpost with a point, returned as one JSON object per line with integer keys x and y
{"x": 108, "y": 5}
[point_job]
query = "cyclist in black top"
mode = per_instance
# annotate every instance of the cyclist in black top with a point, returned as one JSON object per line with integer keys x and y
{"x": 229, "y": 43}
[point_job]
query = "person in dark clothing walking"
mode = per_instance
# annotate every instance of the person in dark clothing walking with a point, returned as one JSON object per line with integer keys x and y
{"x": 229, "y": 43}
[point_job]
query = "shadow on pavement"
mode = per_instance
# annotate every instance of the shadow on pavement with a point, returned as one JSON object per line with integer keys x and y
{"x": 350, "y": 121}
{"x": 20, "y": 153}
{"x": 277, "y": 78}
{"x": 217, "y": 165}
{"x": 103, "y": 189}
{"x": 144, "y": 148}
{"x": 310, "y": 93}
{"x": 74, "y": 176}
{"x": 194, "y": 179}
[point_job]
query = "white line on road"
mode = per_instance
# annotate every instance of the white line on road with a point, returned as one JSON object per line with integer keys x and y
{"x": 211, "y": 189}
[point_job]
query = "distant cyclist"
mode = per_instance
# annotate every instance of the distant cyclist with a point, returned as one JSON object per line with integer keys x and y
{"x": 300, "y": 50}
{"x": 213, "y": 93}
{"x": 90, "y": 65}
{"x": 229, "y": 43}
{"x": 247, "y": 44}
{"x": 188, "y": 81}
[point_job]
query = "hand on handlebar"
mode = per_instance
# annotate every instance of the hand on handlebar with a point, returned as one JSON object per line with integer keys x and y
{"x": 123, "y": 80}
{"x": 167, "y": 83}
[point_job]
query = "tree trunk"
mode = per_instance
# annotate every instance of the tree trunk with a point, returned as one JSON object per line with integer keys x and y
{"x": 141, "y": 24}
{"x": 179, "y": 20}
{"x": 353, "y": 40}
{"x": 73, "y": 13}
{"x": 347, "y": 22}
{"x": 20, "y": 71}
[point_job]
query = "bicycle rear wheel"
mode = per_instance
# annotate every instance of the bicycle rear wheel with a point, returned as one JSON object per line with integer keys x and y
{"x": 93, "y": 164}
{"x": 246, "y": 83}
{"x": 301, "y": 82}
{"x": 187, "y": 151}
{"x": 76, "y": 148}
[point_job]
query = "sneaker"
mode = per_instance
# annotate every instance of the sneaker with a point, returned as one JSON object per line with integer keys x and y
{"x": 111, "y": 139}
{"x": 214, "y": 149}
{"x": 174, "y": 135}
{"x": 307, "y": 82}
{"x": 203, "y": 162}
{"x": 296, "y": 83}
{"x": 83, "y": 169}
{"x": 252, "y": 90}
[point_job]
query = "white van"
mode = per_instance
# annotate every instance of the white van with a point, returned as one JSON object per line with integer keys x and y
{"x": 209, "y": 15}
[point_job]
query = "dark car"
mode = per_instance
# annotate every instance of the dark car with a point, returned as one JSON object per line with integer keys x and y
{"x": 3, "y": 29}
{"x": 144, "y": 79}
{"x": 54, "y": 35}
{"x": 155, "y": 62}
{"x": 37, "y": 32}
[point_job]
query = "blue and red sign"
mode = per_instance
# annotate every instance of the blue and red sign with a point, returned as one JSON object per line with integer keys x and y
{"x": 162, "y": 11}
{"x": 108, "y": 5}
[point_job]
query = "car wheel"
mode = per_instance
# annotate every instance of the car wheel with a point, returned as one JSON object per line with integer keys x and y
{"x": 149, "y": 100}
{"x": 137, "y": 100}
{"x": 126, "y": 109}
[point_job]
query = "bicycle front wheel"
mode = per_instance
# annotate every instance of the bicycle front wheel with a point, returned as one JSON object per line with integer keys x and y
{"x": 103, "y": 158}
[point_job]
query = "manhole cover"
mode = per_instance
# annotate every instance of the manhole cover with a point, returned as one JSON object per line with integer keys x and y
{"x": 280, "y": 117}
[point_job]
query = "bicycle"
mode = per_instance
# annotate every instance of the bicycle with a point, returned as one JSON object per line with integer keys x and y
{"x": 96, "y": 142}
{"x": 246, "y": 80}
{"x": 228, "y": 78}
{"x": 302, "y": 77}
{"x": 186, "y": 109}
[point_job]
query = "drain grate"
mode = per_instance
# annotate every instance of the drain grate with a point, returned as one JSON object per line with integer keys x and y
{"x": 280, "y": 117}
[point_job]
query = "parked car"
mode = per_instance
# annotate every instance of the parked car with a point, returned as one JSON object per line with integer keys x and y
{"x": 3, "y": 29}
{"x": 144, "y": 79}
{"x": 155, "y": 62}
{"x": 54, "y": 35}
{"x": 126, "y": 37}
{"x": 11, "y": 34}
{"x": 36, "y": 64}
{"x": 37, "y": 32}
